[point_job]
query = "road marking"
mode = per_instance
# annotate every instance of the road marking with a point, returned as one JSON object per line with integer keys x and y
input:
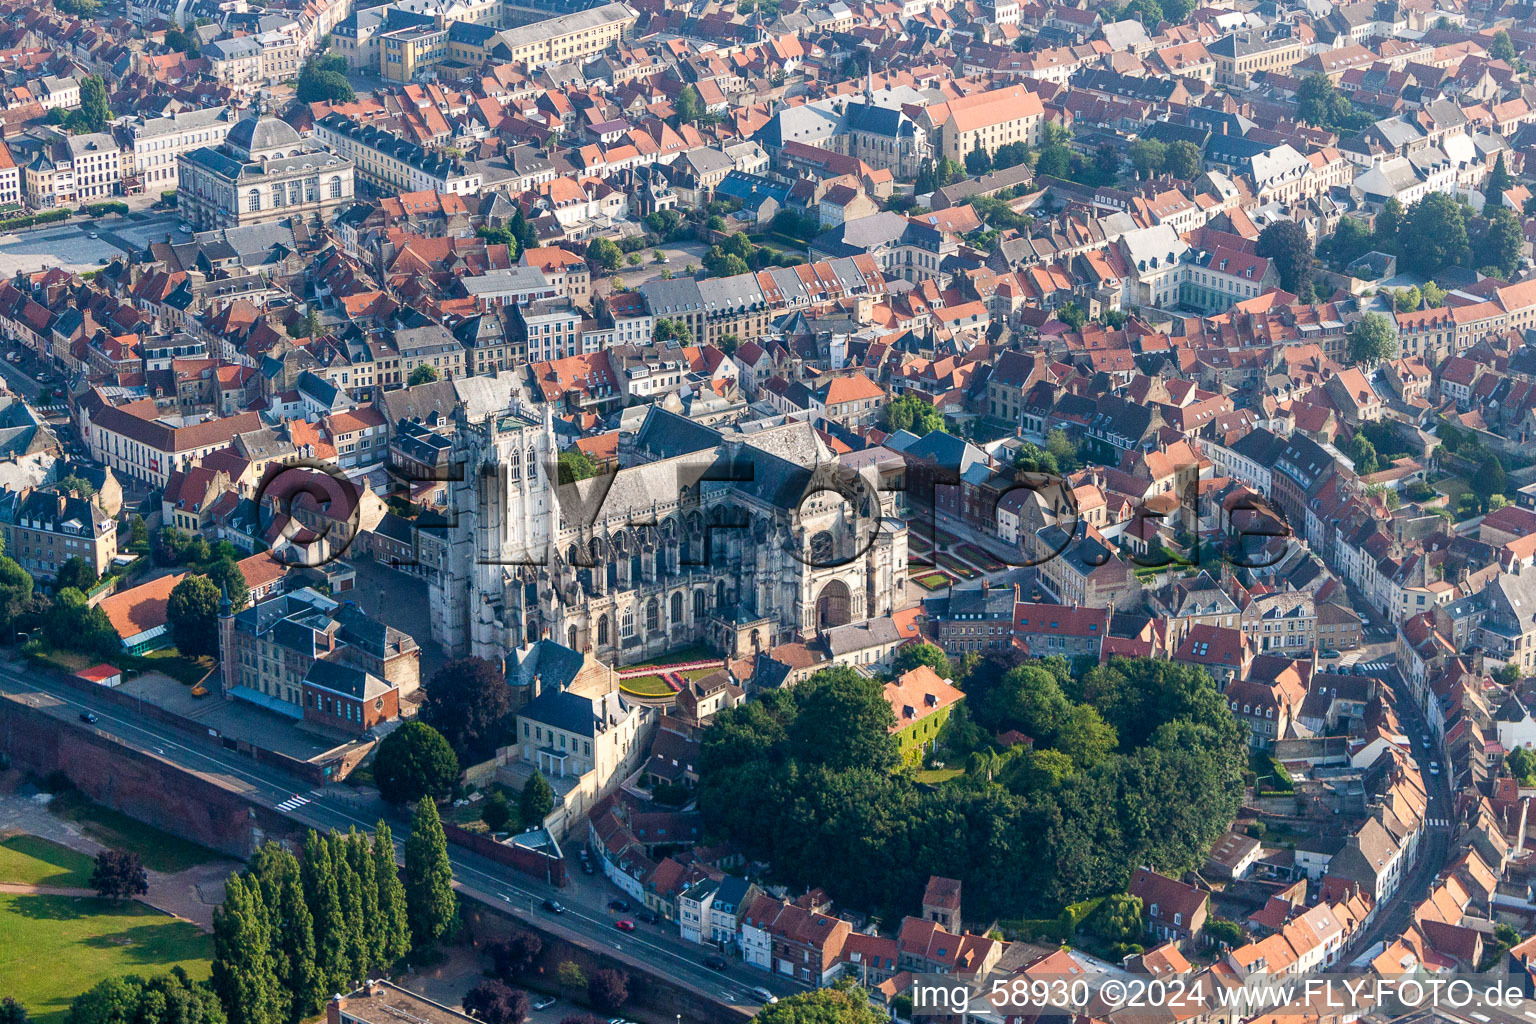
{"x": 293, "y": 803}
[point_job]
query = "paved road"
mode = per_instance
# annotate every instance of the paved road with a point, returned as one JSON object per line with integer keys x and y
{"x": 586, "y": 920}
{"x": 1434, "y": 847}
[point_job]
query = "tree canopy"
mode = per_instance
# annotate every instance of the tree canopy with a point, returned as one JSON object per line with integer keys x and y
{"x": 1373, "y": 339}
{"x": 323, "y": 79}
{"x": 1145, "y": 767}
{"x": 468, "y": 701}
{"x": 193, "y": 614}
{"x": 823, "y": 1006}
{"x": 908, "y": 412}
{"x": 1288, "y": 246}
{"x": 413, "y": 762}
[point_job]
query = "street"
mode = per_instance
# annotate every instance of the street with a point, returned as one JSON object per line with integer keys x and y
{"x": 586, "y": 920}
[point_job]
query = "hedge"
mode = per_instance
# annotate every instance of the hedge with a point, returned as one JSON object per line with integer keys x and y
{"x": 47, "y": 217}
{"x": 102, "y": 209}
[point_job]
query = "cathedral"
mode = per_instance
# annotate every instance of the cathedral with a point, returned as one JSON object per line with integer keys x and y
{"x": 739, "y": 539}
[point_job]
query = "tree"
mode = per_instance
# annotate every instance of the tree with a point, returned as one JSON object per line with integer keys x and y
{"x": 323, "y": 79}
{"x": 1499, "y": 181}
{"x": 171, "y": 998}
{"x": 79, "y": 485}
{"x": 571, "y": 975}
{"x": 138, "y": 531}
{"x": 909, "y": 412}
{"x": 322, "y": 894}
{"x": 1011, "y": 154}
{"x": 1182, "y": 160}
{"x": 1287, "y": 244}
{"x": 1435, "y": 234}
{"x": 424, "y": 373}
{"x": 1408, "y": 299}
{"x": 413, "y": 762}
{"x": 394, "y": 923}
{"x": 1071, "y": 315}
{"x": 603, "y": 254}
{"x": 495, "y": 1002}
{"x": 1118, "y": 919}
{"x": 12, "y": 1012}
{"x": 913, "y": 655}
{"x": 1054, "y": 161}
{"x": 1504, "y": 241}
{"x": 1224, "y": 931}
{"x": 1509, "y": 674}
{"x": 1148, "y": 157}
{"x": 1319, "y": 103}
{"x": 244, "y": 972}
{"x": 430, "y": 903}
{"x": 119, "y": 874}
{"x": 73, "y": 624}
{"x": 497, "y": 812}
{"x": 511, "y": 958}
{"x": 469, "y": 703}
{"x": 15, "y": 591}
{"x": 1434, "y": 295}
{"x": 79, "y": 8}
{"x": 94, "y": 112}
{"x": 1388, "y": 226}
{"x": 1363, "y": 454}
{"x": 181, "y": 42}
{"x": 536, "y": 800}
{"x": 193, "y": 614}
{"x": 607, "y": 990}
{"x": 1502, "y": 48}
{"x": 690, "y": 106}
{"x": 1490, "y": 479}
{"x": 1374, "y": 339}
{"x": 574, "y": 464}
{"x": 667, "y": 329}
{"x": 75, "y": 572}
{"x": 227, "y": 575}
{"x": 977, "y": 162}
{"x": 823, "y": 1006}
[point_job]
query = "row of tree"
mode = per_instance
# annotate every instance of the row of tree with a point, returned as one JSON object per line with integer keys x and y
{"x": 1136, "y": 763}
{"x": 291, "y": 932}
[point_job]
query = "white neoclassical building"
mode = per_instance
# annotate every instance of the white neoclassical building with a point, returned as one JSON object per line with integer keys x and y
{"x": 262, "y": 172}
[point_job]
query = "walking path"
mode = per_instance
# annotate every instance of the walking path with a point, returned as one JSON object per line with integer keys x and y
{"x": 191, "y": 895}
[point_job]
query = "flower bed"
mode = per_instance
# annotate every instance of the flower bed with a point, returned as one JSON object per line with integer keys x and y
{"x": 979, "y": 557}
{"x": 933, "y": 580}
{"x": 958, "y": 567}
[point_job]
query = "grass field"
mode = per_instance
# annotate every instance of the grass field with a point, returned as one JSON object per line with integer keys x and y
{"x": 159, "y": 850}
{"x": 934, "y": 776}
{"x": 56, "y": 947}
{"x": 933, "y": 580}
{"x": 28, "y": 860}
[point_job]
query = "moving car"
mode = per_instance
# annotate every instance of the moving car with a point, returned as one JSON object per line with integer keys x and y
{"x": 624, "y": 925}
{"x": 86, "y": 716}
{"x": 715, "y": 963}
{"x": 553, "y": 907}
{"x": 765, "y": 995}
{"x": 1434, "y": 767}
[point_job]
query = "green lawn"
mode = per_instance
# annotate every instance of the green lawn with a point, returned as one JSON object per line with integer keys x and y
{"x": 159, "y": 850}
{"x": 655, "y": 686}
{"x": 1453, "y": 487}
{"x": 28, "y": 860}
{"x": 934, "y": 776}
{"x": 933, "y": 580}
{"x": 56, "y": 947}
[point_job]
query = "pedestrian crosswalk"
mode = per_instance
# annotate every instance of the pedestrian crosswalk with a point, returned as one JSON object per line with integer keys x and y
{"x": 1438, "y": 822}
{"x": 1373, "y": 666}
{"x": 293, "y": 803}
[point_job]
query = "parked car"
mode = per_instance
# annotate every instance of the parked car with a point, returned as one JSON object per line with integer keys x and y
{"x": 1328, "y": 652}
{"x": 586, "y": 865}
{"x": 715, "y": 963}
{"x": 543, "y": 1002}
{"x": 649, "y": 916}
{"x": 618, "y": 903}
{"x": 553, "y": 907}
{"x": 1434, "y": 767}
{"x": 624, "y": 925}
